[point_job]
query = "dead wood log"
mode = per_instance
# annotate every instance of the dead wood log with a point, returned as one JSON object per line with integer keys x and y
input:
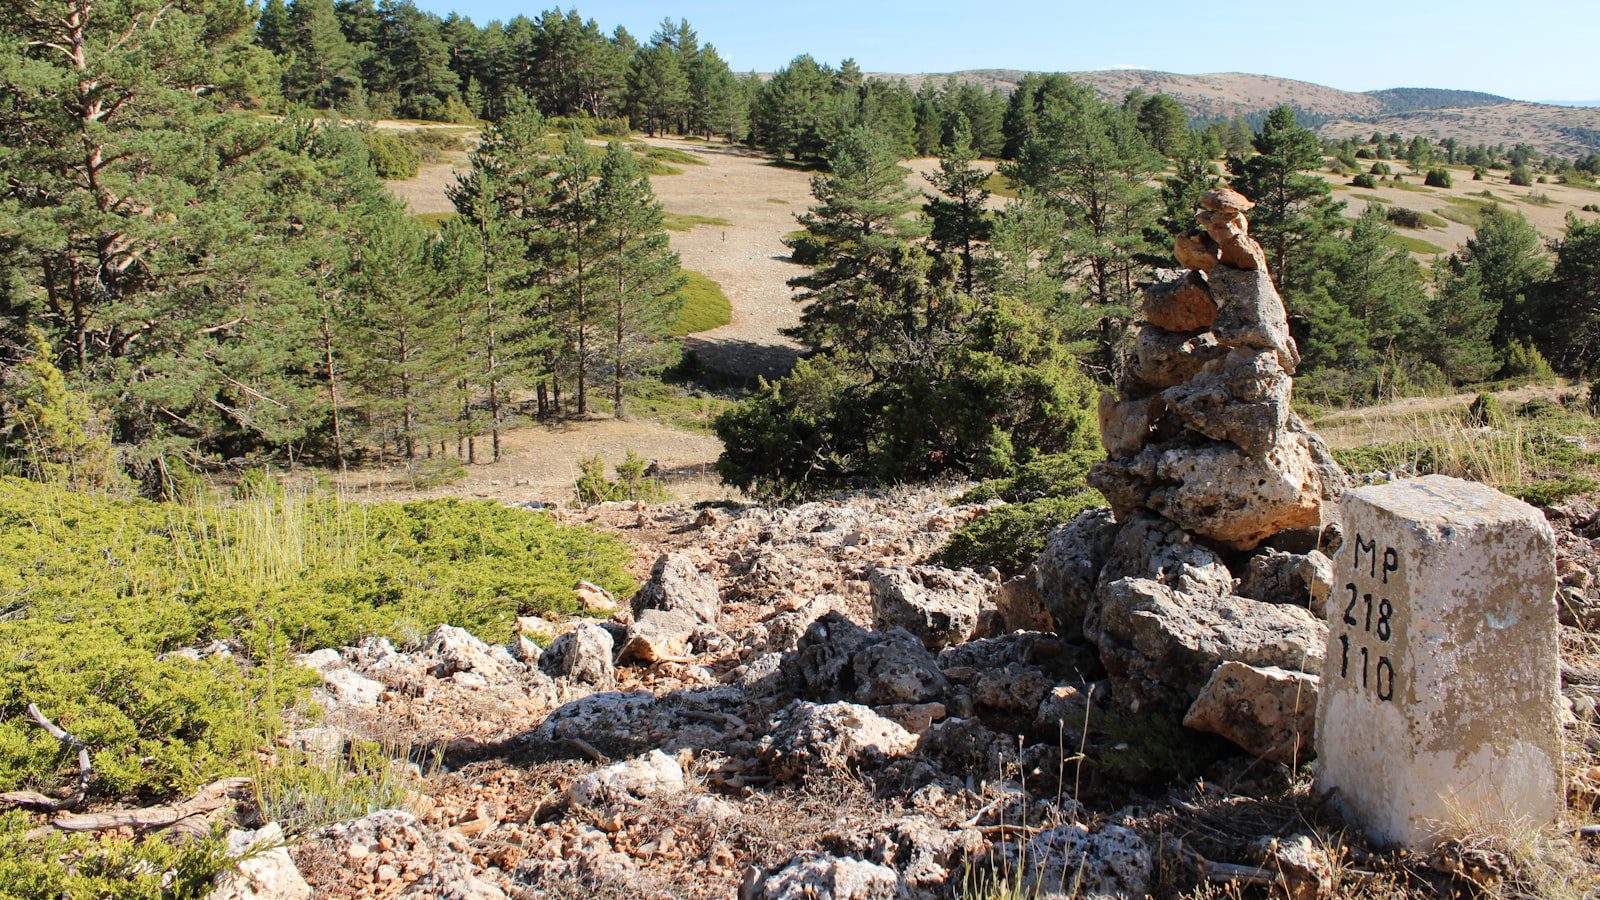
{"x": 31, "y": 800}
{"x": 210, "y": 798}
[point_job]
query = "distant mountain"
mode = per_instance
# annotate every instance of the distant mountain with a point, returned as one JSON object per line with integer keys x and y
{"x": 1572, "y": 102}
{"x": 1469, "y": 116}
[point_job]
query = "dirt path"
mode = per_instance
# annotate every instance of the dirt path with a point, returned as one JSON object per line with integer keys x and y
{"x": 747, "y": 258}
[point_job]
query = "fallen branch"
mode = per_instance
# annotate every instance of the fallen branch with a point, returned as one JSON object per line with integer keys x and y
{"x": 31, "y": 800}
{"x": 1224, "y": 873}
{"x": 210, "y": 798}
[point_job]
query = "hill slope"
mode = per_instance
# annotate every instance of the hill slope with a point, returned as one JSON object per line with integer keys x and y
{"x": 1564, "y": 130}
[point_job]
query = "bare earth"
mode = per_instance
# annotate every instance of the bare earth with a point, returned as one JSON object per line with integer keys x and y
{"x": 747, "y": 258}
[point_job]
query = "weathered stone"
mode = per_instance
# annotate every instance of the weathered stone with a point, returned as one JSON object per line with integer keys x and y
{"x": 265, "y": 870}
{"x": 348, "y": 688}
{"x": 1196, "y": 250}
{"x": 1069, "y": 567}
{"x": 675, "y": 583}
{"x": 1303, "y": 579}
{"x": 940, "y": 606}
{"x": 1162, "y": 358}
{"x": 583, "y": 654}
{"x": 649, "y": 777}
{"x": 815, "y": 876}
{"x": 448, "y": 650}
{"x": 1301, "y": 862}
{"x": 1236, "y": 248}
{"x": 812, "y": 738}
{"x": 1250, "y": 314}
{"x": 594, "y": 599}
{"x": 919, "y": 848}
{"x": 1242, "y": 398}
{"x": 1067, "y": 710}
{"x": 1218, "y": 491}
{"x": 1069, "y": 861}
{"x": 916, "y": 718}
{"x": 659, "y": 635}
{"x": 1226, "y": 200}
{"x": 1021, "y": 606}
{"x": 1154, "y": 547}
{"x": 1440, "y": 702}
{"x": 1268, "y": 711}
{"x": 1160, "y": 647}
{"x": 1012, "y": 689}
{"x": 1179, "y": 301}
{"x": 1125, "y": 427}
{"x": 839, "y": 660}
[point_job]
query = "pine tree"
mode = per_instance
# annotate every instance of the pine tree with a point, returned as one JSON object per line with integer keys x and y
{"x": 1294, "y": 211}
{"x": 323, "y": 71}
{"x": 863, "y": 226}
{"x": 960, "y": 222}
{"x": 718, "y": 105}
{"x": 577, "y": 251}
{"x": 273, "y": 29}
{"x": 1507, "y": 255}
{"x": 1165, "y": 124}
{"x": 796, "y": 113}
{"x": 1570, "y": 323}
{"x": 639, "y": 277}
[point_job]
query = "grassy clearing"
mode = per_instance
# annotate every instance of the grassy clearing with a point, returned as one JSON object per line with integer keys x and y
{"x": 668, "y": 156}
{"x": 1408, "y": 186}
{"x": 1370, "y": 198}
{"x": 705, "y": 306}
{"x": 1415, "y": 244}
{"x": 434, "y": 221}
{"x": 1001, "y": 186}
{"x": 778, "y": 201}
{"x": 688, "y": 222}
{"x": 95, "y": 592}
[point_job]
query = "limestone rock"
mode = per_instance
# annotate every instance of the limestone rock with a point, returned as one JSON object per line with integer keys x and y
{"x": 1250, "y": 314}
{"x": 1069, "y": 708}
{"x": 1242, "y": 398}
{"x": 1068, "y": 569}
{"x": 266, "y": 871}
{"x": 1150, "y": 546}
{"x": 1303, "y": 579}
{"x": 810, "y": 738}
{"x": 1226, "y": 200}
{"x": 1268, "y": 711}
{"x": 348, "y": 688}
{"x": 1069, "y": 861}
{"x": 649, "y": 777}
{"x": 1012, "y": 689}
{"x": 1235, "y": 247}
{"x": 675, "y": 583}
{"x": 583, "y": 654}
{"x": 1218, "y": 491}
{"x": 658, "y": 635}
{"x": 1161, "y": 647}
{"x": 448, "y": 650}
{"x": 1196, "y": 250}
{"x": 1179, "y": 301}
{"x": 1021, "y": 606}
{"x": 1125, "y": 427}
{"x": 594, "y": 599}
{"x": 824, "y": 877}
{"x": 940, "y": 606}
{"x": 1162, "y": 358}
{"x": 839, "y": 660}
{"x": 1304, "y": 868}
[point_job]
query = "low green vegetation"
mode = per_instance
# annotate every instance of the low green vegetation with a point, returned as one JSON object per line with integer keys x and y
{"x": 1399, "y": 185}
{"x": 630, "y": 484}
{"x": 83, "y": 865}
{"x": 1414, "y": 244}
{"x": 1001, "y": 186}
{"x": 673, "y": 403}
{"x": 1403, "y": 217}
{"x": 688, "y": 222}
{"x": 99, "y": 592}
{"x": 1041, "y": 495}
{"x": 435, "y": 221}
{"x": 667, "y": 156}
{"x": 704, "y": 307}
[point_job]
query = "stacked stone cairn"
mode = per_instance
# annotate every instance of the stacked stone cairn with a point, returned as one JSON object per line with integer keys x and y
{"x": 1202, "y": 587}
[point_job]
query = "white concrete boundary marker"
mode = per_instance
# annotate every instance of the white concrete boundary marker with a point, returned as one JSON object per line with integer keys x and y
{"x": 1439, "y": 711}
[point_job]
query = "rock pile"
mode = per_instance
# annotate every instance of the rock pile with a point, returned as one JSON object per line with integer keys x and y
{"x": 1210, "y": 560}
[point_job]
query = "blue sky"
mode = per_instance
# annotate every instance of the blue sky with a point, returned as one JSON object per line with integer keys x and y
{"x": 1549, "y": 50}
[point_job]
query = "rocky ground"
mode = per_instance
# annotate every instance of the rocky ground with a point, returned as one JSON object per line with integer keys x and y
{"x": 792, "y": 707}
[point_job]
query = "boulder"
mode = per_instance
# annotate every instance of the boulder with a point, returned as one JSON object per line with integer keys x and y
{"x": 266, "y": 871}
{"x": 607, "y": 719}
{"x": 1068, "y": 709}
{"x": 1231, "y": 233}
{"x": 346, "y": 688}
{"x": 814, "y": 876}
{"x": 1021, "y": 606}
{"x": 1250, "y": 314}
{"x": 1179, "y": 301}
{"x": 1302, "y": 579}
{"x": 1242, "y": 397}
{"x": 1011, "y": 690}
{"x": 594, "y": 599}
{"x": 1226, "y": 200}
{"x": 811, "y": 738}
{"x": 1216, "y": 490}
{"x": 1069, "y": 567}
{"x": 1125, "y": 427}
{"x": 1151, "y": 546}
{"x": 653, "y": 776}
{"x": 676, "y": 583}
{"x": 1196, "y": 250}
{"x": 1069, "y": 862}
{"x": 583, "y": 654}
{"x": 659, "y": 635}
{"x": 447, "y": 650}
{"x": 1162, "y": 359}
{"x": 1161, "y": 647}
{"x": 1302, "y": 863}
{"x": 839, "y": 660}
{"x": 939, "y": 606}
{"x": 919, "y": 848}
{"x": 1268, "y": 711}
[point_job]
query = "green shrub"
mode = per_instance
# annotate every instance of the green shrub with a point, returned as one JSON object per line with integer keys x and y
{"x": 1380, "y": 168}
{"x": 1521, "y": 177}
{"x": 631, "y": 483}
{"x": 1011, "y": 537}
{"x": 1478, "y": 172}
{"x": 591, "y": 127}
{"x": 392, "y": 159}
{"x": 99, "y": 589}
{"x": 1552, "y": 491}
{"x": 1405, "y": 218}
{"x": 1484, "y": 412}
{"x": 103, "y": 866}
{"x": 1439, "y": 178}
{"x": 1523, "y": 360}
{"x": 48, "y": 432}
{"x": 1364, "y": 181}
